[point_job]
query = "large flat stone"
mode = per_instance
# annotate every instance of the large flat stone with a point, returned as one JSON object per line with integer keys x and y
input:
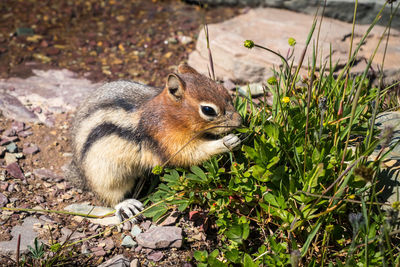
{"x": 12, "y": 108}
{"x": 161, "y": 237}
{"x": 53, "y": 91}
{"x": 339, "y": 9}
{"x": 272, "y": 28}
{"x": 389, "y": 177}
{"x": 28, "y": 235}
{"x": 85, "y": 208}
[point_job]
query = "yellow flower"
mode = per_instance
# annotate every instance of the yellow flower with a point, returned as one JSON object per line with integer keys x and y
{"x": 272, "y": 80}
{"x": 352, "y": 197}
{"x": 286, "y": 100}
{"x": 292, "y": 41}
{"x": 249, "y": 44}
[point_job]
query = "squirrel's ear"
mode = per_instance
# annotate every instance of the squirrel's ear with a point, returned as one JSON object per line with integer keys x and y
{"x": 185, "y": 68}
{"x": 175, "y": 86}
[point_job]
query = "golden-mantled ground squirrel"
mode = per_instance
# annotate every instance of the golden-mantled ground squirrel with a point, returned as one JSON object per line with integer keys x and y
{"x": 124, "y": 129}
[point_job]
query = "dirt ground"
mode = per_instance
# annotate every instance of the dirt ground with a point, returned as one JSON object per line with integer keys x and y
{"x": 103, "y": 41}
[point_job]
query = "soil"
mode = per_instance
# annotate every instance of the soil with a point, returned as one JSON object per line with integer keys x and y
{"x": 102, "y": 41}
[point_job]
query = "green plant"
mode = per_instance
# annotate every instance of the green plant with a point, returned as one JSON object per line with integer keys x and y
{"x": 37, "y": 251}
{"x": 302, "y": 188}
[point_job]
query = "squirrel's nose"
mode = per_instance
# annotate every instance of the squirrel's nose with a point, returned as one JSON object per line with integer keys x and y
{"x": 235, "y": 118}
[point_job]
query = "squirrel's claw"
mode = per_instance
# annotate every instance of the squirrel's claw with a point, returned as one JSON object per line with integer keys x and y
{"x": 127, "y": 209}
{"x": 231, "y": 141}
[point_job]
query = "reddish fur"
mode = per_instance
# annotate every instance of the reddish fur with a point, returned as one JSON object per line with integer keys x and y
{"x": 175, "y": 122}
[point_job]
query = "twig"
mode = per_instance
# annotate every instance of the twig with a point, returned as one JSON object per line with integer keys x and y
{"x": 18, "y": 249}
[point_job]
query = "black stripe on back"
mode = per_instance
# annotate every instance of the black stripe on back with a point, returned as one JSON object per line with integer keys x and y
{"x": 105, "y": 129}
{"x": 117, "y": 103}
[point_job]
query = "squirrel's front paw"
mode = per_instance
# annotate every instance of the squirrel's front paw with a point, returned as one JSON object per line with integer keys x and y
{"x": 231, "y": 141}
{"x": 127, "y": 209}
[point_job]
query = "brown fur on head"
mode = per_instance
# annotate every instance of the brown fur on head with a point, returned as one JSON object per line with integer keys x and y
{"x": 191, "y": 109}
{"x": 201, "y": 102}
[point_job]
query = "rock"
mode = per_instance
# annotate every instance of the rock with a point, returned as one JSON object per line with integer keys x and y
{"x": 85, "y": 249}
{"x": 12, "y": 147}
{"x": 20, "y": 156}
{"x": 172, "y": 40}
{"x": 85, "y": 208}
{"x": 2, "y": 175}
{"x": 390, "y": 119}
{"x": 28, "y": 236}
{"x": 78, "y": 219}
{"x": 46, "y": 89}
{"x": 10, "y": 158}
{"x": 98, "y": 251}
{"x": 46, "y": 174}
{"x": 46, "y": 219}
{"x": 116, "y": 261}
{"x": 128, "y": 242}
{"x": 3, "y": 200}
{"x": 272, "y": 28}
{"x": 134, "y": 263}
{"x": 109, "y": 244}
{"x": 4, "y": 186}
{"x": 18, "y": 126}
{"x": 229, "y": 85}
{"x": 5, "y": 140}
{"x": 12, "y": 108}
{"x": 67, "y": 232}
{"x": 21, "y": 31}
{"x": 390, "y": 174}
{"x": 161, "y": 237}
{"x": 135, "y": 230}
{"x": 15, "y": 171}
{"x": 155, "y": 256}
{"x": 145, "y": 225}
{"x": 255, "y": 89}
{"x": 24, "y": 134}
{"x": 10, "y": 132}
{"x": 52, "y": 51}
{"x": 31, "y": 149}
{"x": 340, "y": 9}
{"x": 113, "y": 220}
{"x": 183, "y": 39}
{"x": 171, "y": 219}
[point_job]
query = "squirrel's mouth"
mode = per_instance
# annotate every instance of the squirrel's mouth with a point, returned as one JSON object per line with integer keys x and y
{"x": 211, "y": 136}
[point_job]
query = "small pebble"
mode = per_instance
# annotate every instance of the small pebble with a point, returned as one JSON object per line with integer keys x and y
{"x": 24, "y": 134}
{"x": 15, "y": 171}
{"x": 135, "y": 230}
{"x": 12, "y": 147}
{"x": 10, "y": 132}
{"x": 146, "y": 225}
{"x": 128, "y": 242}
{"x": 3, "y": 200}
{"x": 32, "y": 149}
{"x": 138, "y": 249}
{"x": 155, "y": 256}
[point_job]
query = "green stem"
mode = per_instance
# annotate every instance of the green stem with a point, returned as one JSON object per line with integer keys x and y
{"x": 58, "y": 211}
{"x": 377, "y": 99}
{"x": 357, "y": 96}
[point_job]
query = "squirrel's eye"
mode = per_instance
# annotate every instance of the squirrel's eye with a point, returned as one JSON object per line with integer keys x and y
{"x": 208, "y": 111}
